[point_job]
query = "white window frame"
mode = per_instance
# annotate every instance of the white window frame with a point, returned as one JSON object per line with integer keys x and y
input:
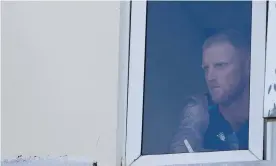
{"x": 133, "y": 135}
{"x": 270, "y": 139}
{"x": 270, "y": 75}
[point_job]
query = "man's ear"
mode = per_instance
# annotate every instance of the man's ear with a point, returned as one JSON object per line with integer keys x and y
{"x": 246, "y": 62}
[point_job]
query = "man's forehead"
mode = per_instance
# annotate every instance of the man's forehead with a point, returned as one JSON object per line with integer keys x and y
{"x": 220, "y": 47}
{"x": 219, "y": 51}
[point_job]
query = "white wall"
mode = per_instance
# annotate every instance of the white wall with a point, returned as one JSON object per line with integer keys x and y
{"x": 59, "y": 79}
{"x": 270, "y": 80}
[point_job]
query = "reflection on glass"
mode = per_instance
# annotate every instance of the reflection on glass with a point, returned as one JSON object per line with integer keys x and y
{"x": 197, "y": 77}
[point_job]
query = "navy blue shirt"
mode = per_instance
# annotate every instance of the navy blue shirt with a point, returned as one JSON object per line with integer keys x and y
{"x": 220, "y": 135}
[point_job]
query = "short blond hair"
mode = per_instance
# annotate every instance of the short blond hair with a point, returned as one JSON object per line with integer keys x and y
{"x": 235, "y": 38}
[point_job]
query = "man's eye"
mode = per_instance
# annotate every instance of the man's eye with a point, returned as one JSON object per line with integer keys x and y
{"x": 221, "y": 64}
{"x": 205, "y": 69}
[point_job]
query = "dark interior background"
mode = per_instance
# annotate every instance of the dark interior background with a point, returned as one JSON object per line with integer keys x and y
{"x": 174, "y": 36}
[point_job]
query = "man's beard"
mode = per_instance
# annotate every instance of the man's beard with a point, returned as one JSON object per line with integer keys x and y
{"x": 230, "y": 97}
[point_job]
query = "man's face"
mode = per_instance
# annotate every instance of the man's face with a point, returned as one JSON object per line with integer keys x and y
{"x": 226, "y": 71}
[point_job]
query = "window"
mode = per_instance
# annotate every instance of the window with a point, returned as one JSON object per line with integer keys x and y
{"x": 168, "y": 44}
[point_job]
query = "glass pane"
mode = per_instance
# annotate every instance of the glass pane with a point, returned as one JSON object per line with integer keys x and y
{"x": 197, "y": 72}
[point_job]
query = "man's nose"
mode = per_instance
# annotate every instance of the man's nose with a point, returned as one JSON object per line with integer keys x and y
{"x": 211, "y": 75}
